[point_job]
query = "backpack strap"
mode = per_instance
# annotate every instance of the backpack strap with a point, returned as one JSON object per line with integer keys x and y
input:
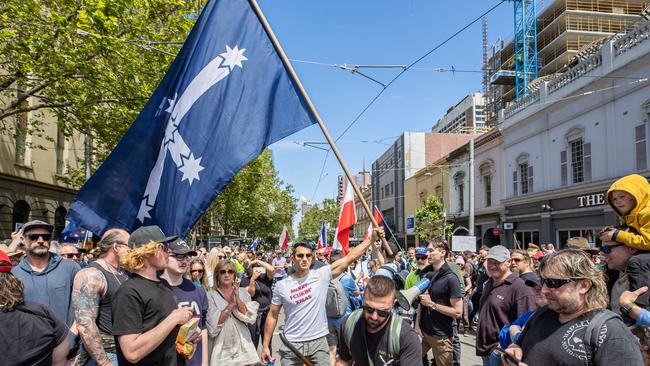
{"x": 394, "y": 335}
{"x": 590, "y": 339}
{"x": 350, "y": 323}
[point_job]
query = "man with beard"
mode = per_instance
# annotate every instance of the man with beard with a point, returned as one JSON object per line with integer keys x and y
{"x": 373, "y": 335}
{"x": 47, "y": 277}
{"x": 574, "y": 328}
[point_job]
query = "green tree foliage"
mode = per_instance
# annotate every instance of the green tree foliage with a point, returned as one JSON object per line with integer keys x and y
{"x": 429, "y": 220}
{"x": 309, "y": 227}
{"x": 255, "y": 200}
{"x": 90, "y": 63}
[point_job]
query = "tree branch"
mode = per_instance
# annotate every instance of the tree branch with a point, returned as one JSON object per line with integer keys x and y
{"x": 8, "y": 113}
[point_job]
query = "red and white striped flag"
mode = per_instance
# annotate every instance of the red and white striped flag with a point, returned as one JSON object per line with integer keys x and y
{"x": 284, "y": 239}
{"x": 378, "y": 217}
{"x": 347, "y": 219}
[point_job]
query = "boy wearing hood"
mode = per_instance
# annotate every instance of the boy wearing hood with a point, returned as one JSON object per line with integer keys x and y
{"x": 630, "y": 199}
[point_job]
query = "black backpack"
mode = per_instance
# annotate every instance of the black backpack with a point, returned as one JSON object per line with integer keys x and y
{"x": 398, "y": 277}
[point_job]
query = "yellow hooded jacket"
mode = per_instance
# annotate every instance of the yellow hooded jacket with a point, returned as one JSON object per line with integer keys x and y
{"x": 639, "y": 218}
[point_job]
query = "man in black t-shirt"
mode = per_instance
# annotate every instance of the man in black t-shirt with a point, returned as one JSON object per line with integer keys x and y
{"x": 145, "y": 318}
{"x": 371, "y": 335}
{"x": 557, "y": 333}
{"x": 439, "y": 306}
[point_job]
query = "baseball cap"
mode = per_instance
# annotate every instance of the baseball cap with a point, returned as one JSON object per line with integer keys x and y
{"x": 5, "y": 262}
{"x": 499, "y": 253}
{"x": 179, "y": 246}
{"x": 146, "y": 234}
{"x": 37, "y": 224}
{"x": 537, "y": 255}
{"x": 421, "y": 251}
{"x": 579, "y": 242}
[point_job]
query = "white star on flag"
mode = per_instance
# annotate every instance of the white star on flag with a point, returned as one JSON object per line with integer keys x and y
{"x": 233, "y": 57}
{"x": 191, "y": 168}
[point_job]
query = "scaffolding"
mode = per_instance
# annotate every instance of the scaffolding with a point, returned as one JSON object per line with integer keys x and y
{"x": 564, "y": 27}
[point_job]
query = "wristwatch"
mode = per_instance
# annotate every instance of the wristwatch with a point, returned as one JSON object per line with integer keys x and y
{"x": 625, "y": 309}
{"x": 434, "y": 306}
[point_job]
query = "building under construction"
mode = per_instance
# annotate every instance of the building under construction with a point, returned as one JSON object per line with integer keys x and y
{"x": 564, "y": 29}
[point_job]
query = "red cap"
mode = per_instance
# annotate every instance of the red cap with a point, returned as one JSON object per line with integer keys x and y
{"x": 5, "y": 262}
{"x": 537, "y": 255}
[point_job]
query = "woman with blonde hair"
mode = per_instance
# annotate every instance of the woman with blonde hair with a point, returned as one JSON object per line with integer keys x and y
{"x": 214, "y": 257}
{"x": 230, "y": 312}
{"x": 197, "y": 274}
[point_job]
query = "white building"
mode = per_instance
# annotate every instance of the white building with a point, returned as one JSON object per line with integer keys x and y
{"x": 566, "y": 142}
{"x": 466, "y": 116}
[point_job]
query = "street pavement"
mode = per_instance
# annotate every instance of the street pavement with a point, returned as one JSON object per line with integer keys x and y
{"x": 467, "y": 354}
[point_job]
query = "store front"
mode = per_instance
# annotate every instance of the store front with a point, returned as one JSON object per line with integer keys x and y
{"x": 555, "y": 219}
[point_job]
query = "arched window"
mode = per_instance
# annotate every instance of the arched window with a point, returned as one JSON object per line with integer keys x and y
{"x": 459, "y": 179}
{"x": 20, "y": 214}
{"x": 59, "y": 221}
{"x": 486, "y": 169}
{"x": 522, "y": 176}
{"x": 575, "y": 160}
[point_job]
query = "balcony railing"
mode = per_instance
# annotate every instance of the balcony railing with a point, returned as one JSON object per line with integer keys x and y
{"x": 632, "y": 38}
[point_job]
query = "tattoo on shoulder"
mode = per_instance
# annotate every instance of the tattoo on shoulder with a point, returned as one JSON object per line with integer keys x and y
{"x": 89, "y": 285}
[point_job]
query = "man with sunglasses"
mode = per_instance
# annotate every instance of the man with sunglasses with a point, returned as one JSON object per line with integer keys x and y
{"x": 505, "y": 298}
{"x": 574, "y": 328}
{"x": 69, "y": 251}
{"x": 92, "y": 297}
{"x": 46, "y": 276}
{"x": 633, "y": 266}
{"x": 373, "y": 335}
{"x": 303, "y": 296}
{"x": 188, "y": 295}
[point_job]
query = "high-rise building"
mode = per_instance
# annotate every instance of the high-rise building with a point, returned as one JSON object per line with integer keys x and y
{"x": 467, "y": 116}
{"x": 565, "y": 28}
{"x": 362, "y": 180}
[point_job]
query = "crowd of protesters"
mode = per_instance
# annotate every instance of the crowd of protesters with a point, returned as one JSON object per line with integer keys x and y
{"x": 146, "y": 298}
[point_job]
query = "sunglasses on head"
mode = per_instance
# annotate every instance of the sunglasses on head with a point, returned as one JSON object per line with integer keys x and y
{"x": 557, "y": 282}
{"x": 228, "y": 271}
{"x": 303, "y": 255}
{"x": 607, "y": 249}
{"x": 34, "y": 237}
{"x": 69, "y": 255}
{"x": 380, "y": 313}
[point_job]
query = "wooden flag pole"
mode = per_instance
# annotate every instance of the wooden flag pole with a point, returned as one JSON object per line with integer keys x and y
{"x": 335, "y": 150}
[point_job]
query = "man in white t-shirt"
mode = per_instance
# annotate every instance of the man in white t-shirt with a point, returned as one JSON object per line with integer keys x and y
{"x": 280, "y": 265}
{"x": 303, "y": 295}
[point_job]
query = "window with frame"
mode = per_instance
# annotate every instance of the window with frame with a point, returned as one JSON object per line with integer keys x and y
{"x": 590, "y": 234}
{"x": 577, "y": 161}
{"x": 526, "y": 237}
{"x": 524, "y": 178}
{"x": 459, "y": 178}
{"x": 487, "y": 184}
{"x": 438, "y": 193}
{"x": 640, "y": 147}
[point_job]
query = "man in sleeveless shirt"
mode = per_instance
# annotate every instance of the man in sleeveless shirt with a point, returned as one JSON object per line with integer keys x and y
{"x": 92, "y": 295}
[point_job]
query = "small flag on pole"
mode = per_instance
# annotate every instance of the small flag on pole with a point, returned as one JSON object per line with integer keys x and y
{"x": 347, "y": 219}
{"x": 254, "y": 245}
{"x": 284, "y": 239}
{"x": 322, "y": 237}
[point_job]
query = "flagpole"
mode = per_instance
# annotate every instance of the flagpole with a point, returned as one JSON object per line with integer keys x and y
{"x": 335, "y": 150}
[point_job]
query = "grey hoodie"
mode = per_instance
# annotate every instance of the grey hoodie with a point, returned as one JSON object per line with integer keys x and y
{"x": 52, "y": 287}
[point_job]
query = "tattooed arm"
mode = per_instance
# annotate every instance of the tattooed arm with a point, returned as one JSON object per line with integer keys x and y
{"x": 89, "y": 285}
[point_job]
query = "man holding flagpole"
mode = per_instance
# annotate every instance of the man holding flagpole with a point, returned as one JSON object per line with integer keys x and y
{"x": 303, "y": 296}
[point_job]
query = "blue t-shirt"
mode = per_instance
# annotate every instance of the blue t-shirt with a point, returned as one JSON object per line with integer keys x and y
{"x": 349, "y": 287}
{"x": 189, "y": 295}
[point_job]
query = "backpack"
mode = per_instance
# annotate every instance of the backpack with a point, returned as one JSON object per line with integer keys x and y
{"x": 398, "y": 277}
{"x": 336, "y": 303}
{"x": 393, "y": 333}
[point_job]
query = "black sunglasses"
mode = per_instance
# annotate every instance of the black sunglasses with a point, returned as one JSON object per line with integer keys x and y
{"x": 196, "y": 271}
{"x": 70, "y": 255}
{"x": 221, "y": 257}
{"x": 303, "y": 255}
{"x": 179, "y": 257}
{"x": 607, "y": 249}
{"x": 423, "y": 257}
{"x": 557, "y": 282}
{"x": 380, "y": 313}
{"x": 229, "y": 271}
{"x": 33, "y": 237}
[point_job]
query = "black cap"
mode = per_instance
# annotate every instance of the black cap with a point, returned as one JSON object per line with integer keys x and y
{"x": 179, "y": 246}
{"x": 37, "y": 224}
{"x": 146, "y": 234}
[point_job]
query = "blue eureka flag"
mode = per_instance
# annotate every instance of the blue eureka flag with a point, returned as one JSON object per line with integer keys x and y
{"x": 226, "y": 96}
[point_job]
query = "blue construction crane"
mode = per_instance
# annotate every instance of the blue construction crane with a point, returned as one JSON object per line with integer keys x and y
{"x": 525, "y": 51}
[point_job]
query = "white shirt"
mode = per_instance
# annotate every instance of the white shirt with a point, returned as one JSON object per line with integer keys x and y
{"x": 303, "y": 300}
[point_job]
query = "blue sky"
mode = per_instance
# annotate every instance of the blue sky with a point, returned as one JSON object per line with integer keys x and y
{"x": 377, "y": 32}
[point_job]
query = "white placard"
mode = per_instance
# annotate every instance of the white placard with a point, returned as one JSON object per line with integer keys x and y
{"x": 462, "y": 243}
